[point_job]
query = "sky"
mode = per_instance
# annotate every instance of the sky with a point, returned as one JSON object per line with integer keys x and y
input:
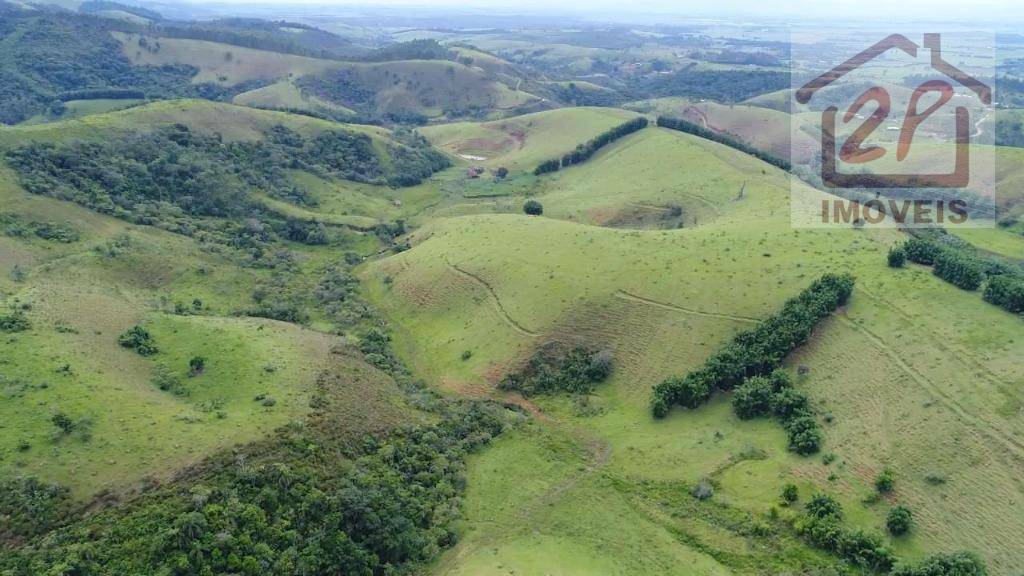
{"x": 992, "y": 11}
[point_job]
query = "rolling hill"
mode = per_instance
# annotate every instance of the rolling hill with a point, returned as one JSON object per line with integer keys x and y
{"x": 884, "y": 371}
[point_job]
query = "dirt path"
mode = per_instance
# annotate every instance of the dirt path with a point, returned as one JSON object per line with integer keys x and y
{"x": 634, "y": 298}
{"x": 497, "y": 301}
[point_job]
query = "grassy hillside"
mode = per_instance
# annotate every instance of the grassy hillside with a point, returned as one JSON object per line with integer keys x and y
{"x": 82, "y": 279}
{"x": 522, "y": 142}
{"x": 888, "y": 372}
{"x": 219, "y": 63}
{"x": 286, "y": 95}
{"x": 427, "y": 88}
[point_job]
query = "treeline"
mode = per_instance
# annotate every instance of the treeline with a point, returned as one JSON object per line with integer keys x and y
{"x": 584, "y": 151}
{"x": 749, "y": 364}
{"x": 719, "y": 85}
{"x": 759, "y": 351}
{"x": 698, "y": 130}
{"x": 958, "y": 263}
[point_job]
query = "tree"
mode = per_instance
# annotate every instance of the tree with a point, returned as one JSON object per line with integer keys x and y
{"x": 501, "y": 173}
{"x": 533, "y": 208}
{"x": 885, "y": 481}
{"x": 753, "y": 398}
{"x": 899, "y": 520}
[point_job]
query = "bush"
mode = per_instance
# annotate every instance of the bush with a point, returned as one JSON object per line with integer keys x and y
{"x": 824, "y": 506}
{"x": 921, "y": 251}
{"x": 790, "y": 493}
{"x": 533, "y": 208}
{"x": 804, "y": 435}
{"x": 897, "y": 257}
{"x": 1006, "y": 291}
{"x": 196, "y": 365}
{"x": 899, "y": 520}
{"x": 885, "y": 482}
{"x": 14, "y": 322}
{"x": 960, "y": 270}
{"x": 139, "y": 339}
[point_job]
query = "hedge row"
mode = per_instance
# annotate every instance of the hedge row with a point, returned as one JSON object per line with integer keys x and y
{"x": 958, "y": 266}
{"x": 698, "y": 130}
{"x": 758, "y": 351}
{"x": 584, "y": 151}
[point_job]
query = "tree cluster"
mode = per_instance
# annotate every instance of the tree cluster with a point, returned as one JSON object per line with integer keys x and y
{"x": 385, "y": 511}
{"x": 774, "y": 395}
{"x": 960, "y": 265}
{"x": 584, "y": 151}
{"x": 547, "y": 372}
{"x": 759, "y": 351}
{"x": 822, "y": 526}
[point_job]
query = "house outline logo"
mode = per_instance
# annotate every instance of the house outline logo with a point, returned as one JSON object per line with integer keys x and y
{"x": 853, "y": 152}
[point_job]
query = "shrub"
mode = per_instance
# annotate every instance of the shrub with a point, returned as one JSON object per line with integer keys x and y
{"x": 899, "y": 520}
{"x": 1005, "y": 291}
{"x": 897, "y": 257}
{"x": 790, "y": 403}
{"x": 165, "y": 379}
{"x": 921, "y": 251}
{"x": 139, "y": 339}
{"x": 885, "y": 482}
{"x": 959, "y": 269}
{"x": 703, "y": 490}
{"x": 14, "y": 322}
{"x": 196, "y": 365}
{"x": 533, "y": 208}
{"x": 804, "y": 435}
{"x": 790, "y": 493}
{"x": 824, "y": 506}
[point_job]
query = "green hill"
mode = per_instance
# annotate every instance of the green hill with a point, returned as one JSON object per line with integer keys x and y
{"x": 886, "y": 372}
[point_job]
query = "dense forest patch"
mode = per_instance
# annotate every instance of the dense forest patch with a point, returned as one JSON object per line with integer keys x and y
{"x": 47, "y": 55}
{"x": 181, "y": 180}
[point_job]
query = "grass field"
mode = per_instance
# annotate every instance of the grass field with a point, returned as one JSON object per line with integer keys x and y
{"x": 286, "y": 95}
{"x": 915, "y": 375}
